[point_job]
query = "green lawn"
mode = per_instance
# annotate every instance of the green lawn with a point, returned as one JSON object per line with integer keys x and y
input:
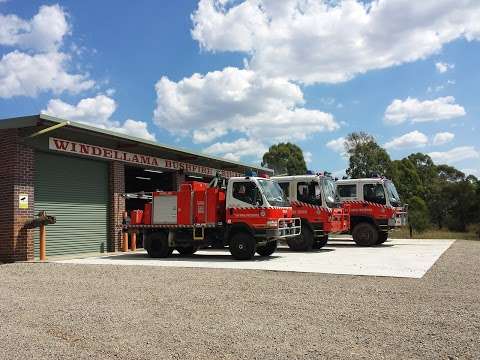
{"x": 434, "y": 234}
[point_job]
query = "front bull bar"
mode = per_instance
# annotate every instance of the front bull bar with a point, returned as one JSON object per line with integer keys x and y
{"x": 286, "y": 227}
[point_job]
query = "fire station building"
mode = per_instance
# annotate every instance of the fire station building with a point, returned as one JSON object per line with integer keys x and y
{"x": 79, "y": 174}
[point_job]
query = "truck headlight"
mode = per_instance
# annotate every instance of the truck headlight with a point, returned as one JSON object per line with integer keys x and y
{"x": 272, "y": 223}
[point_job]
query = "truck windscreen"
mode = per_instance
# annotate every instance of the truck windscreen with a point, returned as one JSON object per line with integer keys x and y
{"x": 273, "y": 193}
{"x": 392, "y": 193}
{"x": 330, "y": 192}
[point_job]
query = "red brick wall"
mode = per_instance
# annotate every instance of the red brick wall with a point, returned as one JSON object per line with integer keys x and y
{"x": 117, "y": 204}
{"x": 16, "y": 177}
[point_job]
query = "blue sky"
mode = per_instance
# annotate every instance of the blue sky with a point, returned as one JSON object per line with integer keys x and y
{"x": 267, "y": 71}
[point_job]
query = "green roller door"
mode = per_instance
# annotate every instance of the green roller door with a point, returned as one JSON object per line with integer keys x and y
{"x": 74, "y": 190}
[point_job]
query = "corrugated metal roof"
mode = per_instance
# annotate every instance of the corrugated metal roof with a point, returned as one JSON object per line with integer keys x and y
{"x": 33, "y": 120}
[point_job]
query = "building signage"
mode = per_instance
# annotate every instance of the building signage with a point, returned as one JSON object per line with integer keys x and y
{"x": 74, "y": 147}
{"x": 23, "y": 201}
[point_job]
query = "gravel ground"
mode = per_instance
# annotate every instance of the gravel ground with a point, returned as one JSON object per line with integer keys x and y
{"x": 51, "y": 311}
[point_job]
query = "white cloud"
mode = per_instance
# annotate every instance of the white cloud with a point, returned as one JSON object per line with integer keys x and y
{"x": 414, "y": 139}
{"x": 443, "y": 138}
{"x": 443, "y": 67}
{"x": 43, "y": 67}
{"x": 237, "y": 149}
{"x": 307, "y": 155}
{"x": 455, "y": 155}
{"x": 28, "y": 75}
{"x": 44, "y": 32}
{"x": 474, "y": 172}
{"x": 234, "y": 100}
{"x": 337, "y": 145}
{"x": 414, "y": 110}
{"x": 97, "y": 112}
{"x": 332, "y": 41}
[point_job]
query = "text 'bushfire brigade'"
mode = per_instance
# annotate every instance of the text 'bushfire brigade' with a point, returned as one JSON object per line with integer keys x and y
{"x": 249, "y": 214}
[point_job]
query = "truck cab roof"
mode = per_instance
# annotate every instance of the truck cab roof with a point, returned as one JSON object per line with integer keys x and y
{"x": 361, "y": 181}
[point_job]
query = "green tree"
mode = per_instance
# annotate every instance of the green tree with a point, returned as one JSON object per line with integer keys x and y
{"x": 418, "y": 217}
{"x": 285, "y": 158}
{"x": 401, "y": 171}
{"x": 366, "y": 156}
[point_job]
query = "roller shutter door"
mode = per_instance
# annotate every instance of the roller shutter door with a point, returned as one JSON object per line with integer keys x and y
{"x": 74, "y": 190}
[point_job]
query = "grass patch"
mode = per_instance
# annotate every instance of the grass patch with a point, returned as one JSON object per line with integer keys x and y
{"x": 434, "y": 234}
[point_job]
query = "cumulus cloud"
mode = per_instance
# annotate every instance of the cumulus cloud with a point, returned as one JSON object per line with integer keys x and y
{"x": 307, "y": 155}
{"x": 332, "y": 41}
{"x": 210, "y": 106}
{"x": 97, "y": 112}
{"x": 455, "y": 155}
{"x": 414, "y": 110}
{"x": 44, "y": 32}
{"x": 474, "y": 172}
{"x": 443, "y": 67}
{"x": 43, "y": 67}
{"x": 414, "y": 139}
{"x": 442, "y": 138}
{"x": 337, "y": 145}
{"x": 237, "y": 149}
{"x": 28, "y": 75}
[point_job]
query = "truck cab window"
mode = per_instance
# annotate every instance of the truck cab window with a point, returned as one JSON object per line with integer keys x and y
{"x": 374, "y": 193}
{"x": 285, "y": 188}
{"x": 309, "y": 193}
{"x": 347, "y": 191}
{"x": 247, "y": 191}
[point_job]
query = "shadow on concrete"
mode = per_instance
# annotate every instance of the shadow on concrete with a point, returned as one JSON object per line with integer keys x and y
{"x": 353, "y": 245}
{"x": 184, "y": 258}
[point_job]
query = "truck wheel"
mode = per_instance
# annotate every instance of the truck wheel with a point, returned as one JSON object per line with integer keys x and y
{"x": 382, "y": 237}
{"x": 365, "y": 234}
{"x": 267, "y": 249}
{"x": 187, "y": 250}
{"x": 320, "y": 242}
{"x": 156, "y": 245}
{"x": 302, "y": 242}
{"x": 242, "y": 246}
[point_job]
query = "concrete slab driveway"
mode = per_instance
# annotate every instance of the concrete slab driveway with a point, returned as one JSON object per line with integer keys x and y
{"x": 397, "y": 258}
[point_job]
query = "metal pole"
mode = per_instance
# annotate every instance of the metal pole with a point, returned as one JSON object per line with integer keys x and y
{"x": 43, "y": 242}
{"x": 125, "y": 242}
{"x": 54, "y": 127}
{"x": 133, "y": 240}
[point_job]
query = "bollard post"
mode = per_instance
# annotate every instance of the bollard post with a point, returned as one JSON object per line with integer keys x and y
{"x": 125, "y": 242}
{"x": 43, "y": 242}
{"x": 133, "y": 240}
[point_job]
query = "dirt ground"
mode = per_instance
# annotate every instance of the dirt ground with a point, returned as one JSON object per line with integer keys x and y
{"x": 139, "y": 312}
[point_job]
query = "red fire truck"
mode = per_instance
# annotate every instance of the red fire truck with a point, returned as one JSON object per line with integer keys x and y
{"x": 375, "y": 208}
{"x": 313, "y": 199}
{"x": 249, "y": 214}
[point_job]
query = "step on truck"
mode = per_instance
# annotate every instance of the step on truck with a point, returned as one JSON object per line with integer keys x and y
{"x": 313, "y": 199}
{"x": 248, "y": 214}
{"x": 375, "y": 208}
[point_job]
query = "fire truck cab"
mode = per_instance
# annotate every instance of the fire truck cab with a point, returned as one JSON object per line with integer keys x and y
{"x": 313, "y": 199}
{"x": 375, "y": 208}
{"x": 249, "y": 214}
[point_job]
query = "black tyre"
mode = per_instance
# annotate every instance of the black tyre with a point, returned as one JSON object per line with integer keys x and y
{"x": 156, "y": 245}
{"x": 242, "y": 246}
{"x": 365, "y": 234}
{"x": 187, "y": 250}
{"x": 267, "y": 249}
{"x": 302, "y": 242}
{"x": 382, "y": 237}
{"x": 320, "y": 242}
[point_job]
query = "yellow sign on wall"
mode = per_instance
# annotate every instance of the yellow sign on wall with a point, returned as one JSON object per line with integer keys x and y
{"x": 23, "y": 201}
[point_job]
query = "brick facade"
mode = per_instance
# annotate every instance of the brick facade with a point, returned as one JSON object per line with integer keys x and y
{"x": 16, "y": 177}
{"x": 117, "y": 204}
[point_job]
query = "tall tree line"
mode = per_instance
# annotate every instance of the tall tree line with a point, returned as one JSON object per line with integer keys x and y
{"x": 438, "y": 195}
